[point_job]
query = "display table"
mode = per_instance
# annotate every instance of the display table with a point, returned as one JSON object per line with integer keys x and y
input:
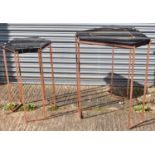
{"x": 29, "y": 45}
{"x": 115, "y": 37}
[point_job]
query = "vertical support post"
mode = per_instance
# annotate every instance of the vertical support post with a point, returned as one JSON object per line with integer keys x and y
{"x": 131, "y": 88}
{"x": 53, "y": 81}
{"x": 19, "y": 82}
{"x": 77, "y": 43}
{"x": 43, "y": 93}
{"x": 112, "y": 72}
{"x": 146, "y": 78}
{"x": 129, "y": 74}
{"x": 9, "y": 87}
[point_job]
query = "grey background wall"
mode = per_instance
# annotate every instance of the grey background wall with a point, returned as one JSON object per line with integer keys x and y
{"x": 95, "y": 60}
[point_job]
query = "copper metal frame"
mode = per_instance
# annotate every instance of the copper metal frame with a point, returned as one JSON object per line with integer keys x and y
{"x": 20, "y": 84}
{"x": 131, "y": 87}
{"x": 112, "y": 72}
{"x": 9, "y": 86}
{"x": 43, "y": 89}
{"x": 79, "y": 110}
{"x": 52, "y": 77}
{"x": 130, "y": 74}
{"x": 146, "y": 77}
{"x": 129, "y": 66}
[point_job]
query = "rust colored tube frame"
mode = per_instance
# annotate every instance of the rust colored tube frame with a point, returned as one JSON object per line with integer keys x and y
{"x": 19, "y": 83}
{"x": 112, "y": 72}
{"x": 52, "y": 77}
{"x": 9, "y": 86}
{"x": 77, "y": 46}
{"x": 43, "y": 90}
{"x": 131, "y": 87}
{"x": 130, "y": 73}
{"x": 145, "y": 88}
{"x": 146, "y": 78}
{"x": 79, "y": 110}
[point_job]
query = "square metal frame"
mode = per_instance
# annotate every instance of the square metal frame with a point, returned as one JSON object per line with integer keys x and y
{"x": 20, "y": 83}
{"x": 131, "y": 65}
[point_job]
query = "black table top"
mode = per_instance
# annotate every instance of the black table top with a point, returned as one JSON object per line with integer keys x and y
{"x": 26, "y": 45}
{"x": 114, "y": 35}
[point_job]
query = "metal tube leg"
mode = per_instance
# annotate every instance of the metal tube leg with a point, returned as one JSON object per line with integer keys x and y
{"x": 20, "y": 84}
{"x": 9, "y": 87}
{"x": 78, "y": 77}
{"x": 43, "y": 93}
{"x": 112, "y": 73}
{"x": 17, "y": 76}
{"x": 53, "y": 81}
{"x": 146, "y": 79}
{"x": 129, "y": 76}
{"x": 131, "y": 89}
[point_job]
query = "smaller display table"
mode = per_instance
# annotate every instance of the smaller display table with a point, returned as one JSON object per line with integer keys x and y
{"x": 29, "y": 45}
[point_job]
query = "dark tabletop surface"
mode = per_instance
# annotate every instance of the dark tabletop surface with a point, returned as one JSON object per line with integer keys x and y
{"x": 23, "y": 45}
{"x": 114, "y": 35}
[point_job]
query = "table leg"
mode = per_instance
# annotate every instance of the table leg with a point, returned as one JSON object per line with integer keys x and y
{"x": 9, "y": 86}
{"x": 53, "y": 81}
{"x": 20, "y": 84}
{"x": 78, "y": 77}
{"x": 43, "y": 92}
{"x": 131, "y": 88}
{"x": 112, "y": 72}
{"x": 129, "y": 74}
{"x": 146, "y": 79}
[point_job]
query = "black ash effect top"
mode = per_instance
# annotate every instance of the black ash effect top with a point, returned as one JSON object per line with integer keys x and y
{"x": 115, "y": 36}
{"x": 26, "y": 45}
